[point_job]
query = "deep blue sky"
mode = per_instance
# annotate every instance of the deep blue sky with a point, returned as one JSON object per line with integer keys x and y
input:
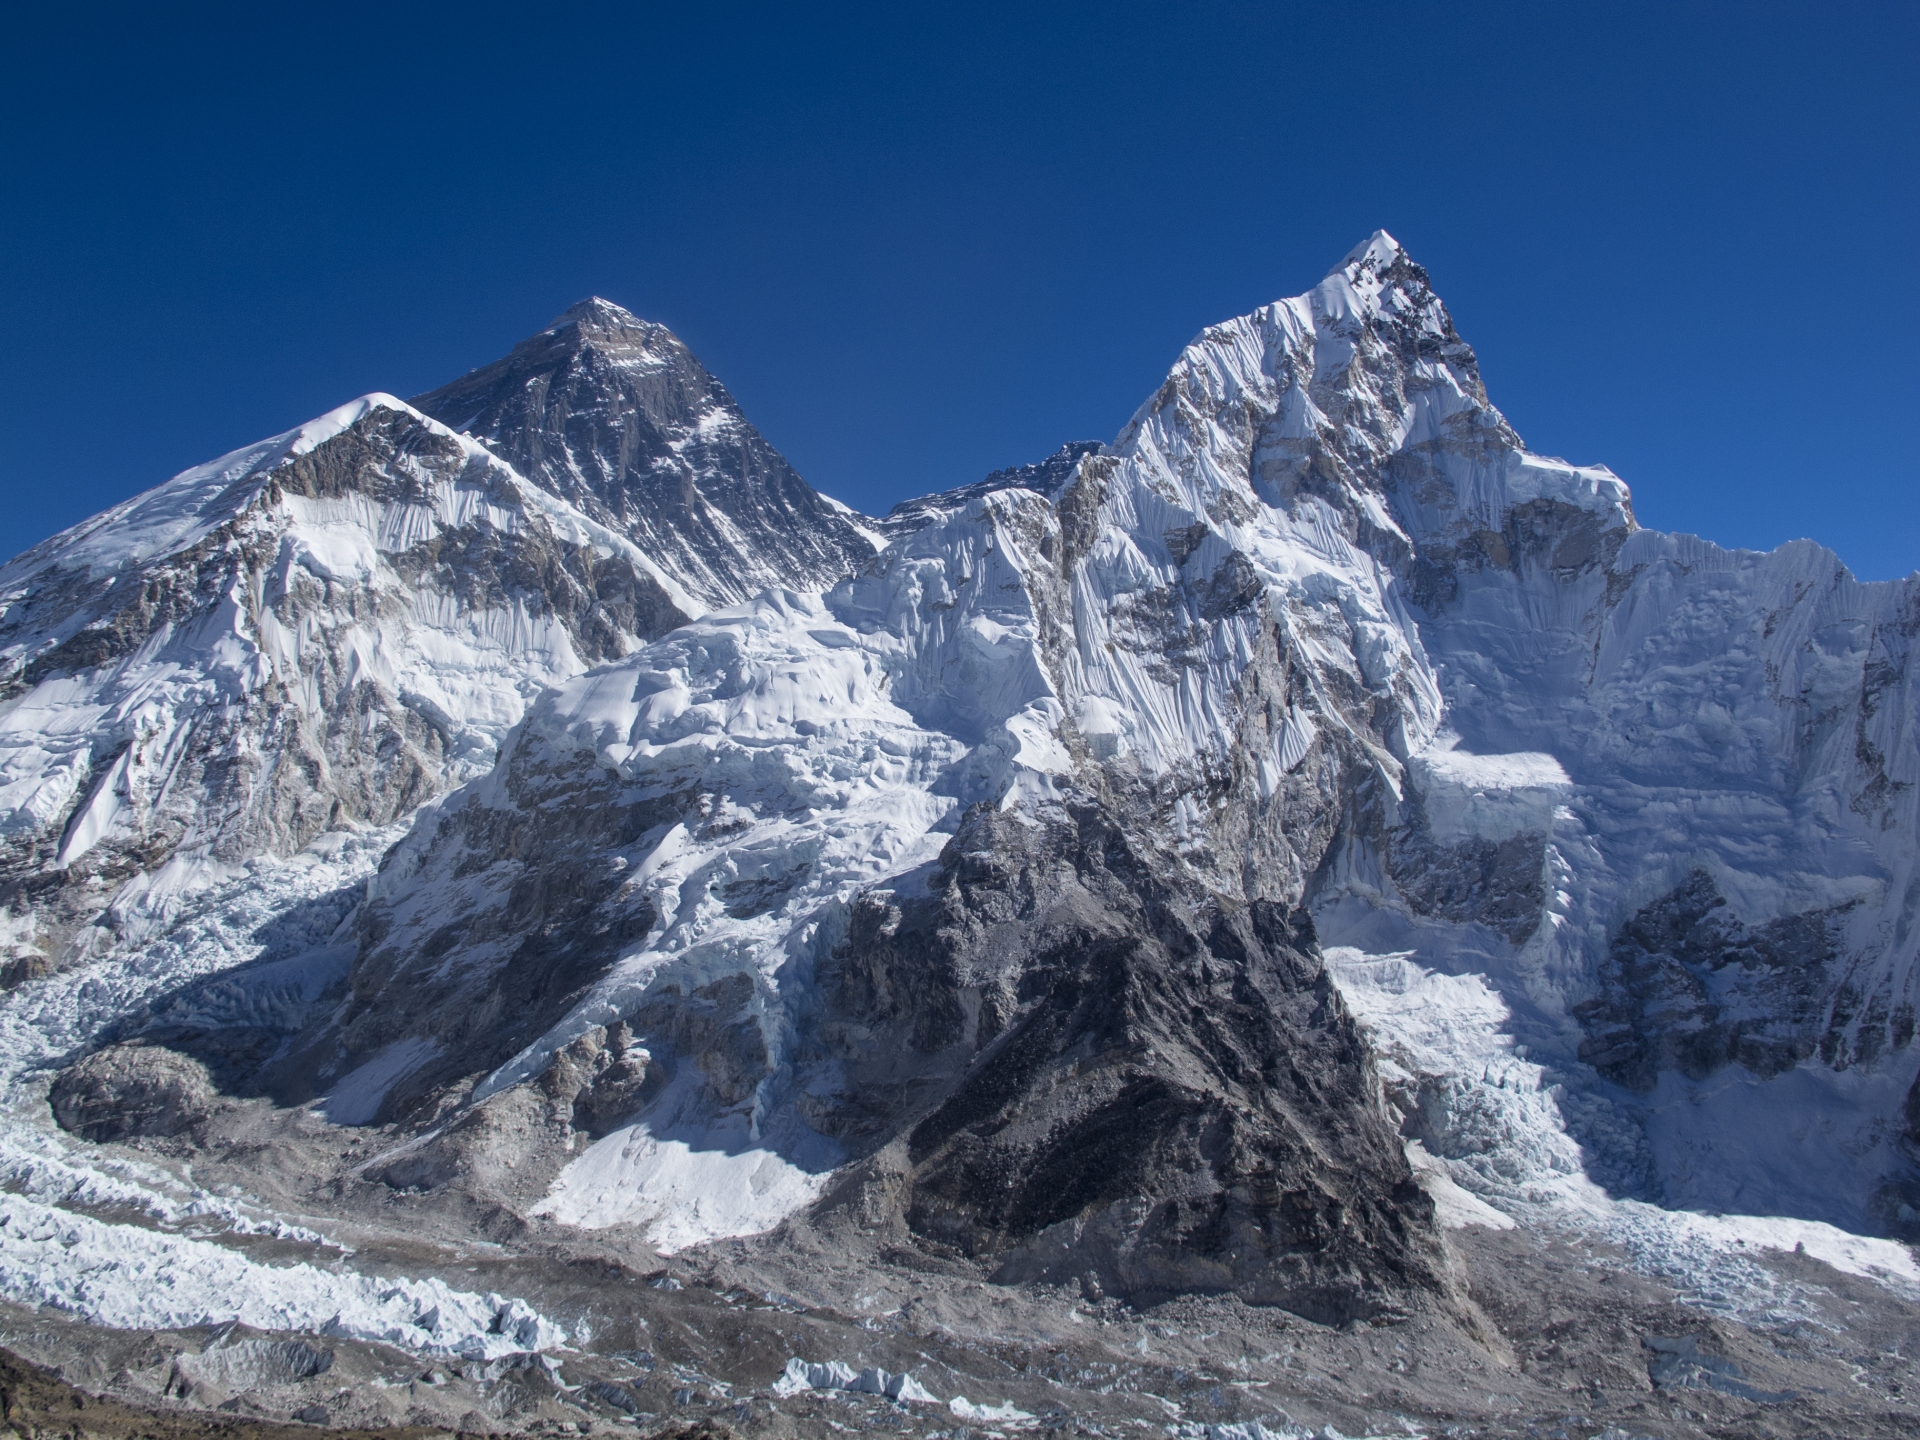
{"x": 923, "y": 242}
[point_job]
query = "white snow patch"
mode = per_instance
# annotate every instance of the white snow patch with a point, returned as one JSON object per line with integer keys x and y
{"x": 1001, "y": 1414}
{"x": 1453, "y": 1205}
{"x": 801, "y": 1375}
{"x": 1487, "y": 797}
{"x": 356, "y": 1097}
{"x": 677, "y": 1194}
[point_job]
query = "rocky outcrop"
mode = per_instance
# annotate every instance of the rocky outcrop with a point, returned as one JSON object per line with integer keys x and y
{"x": 1046, "y": 477}
{"x": 1102, "y": 1080}
{"x": 615, "y": 415}
{"x": 1687, "y": 986}
{"x": 134, "y": 1090}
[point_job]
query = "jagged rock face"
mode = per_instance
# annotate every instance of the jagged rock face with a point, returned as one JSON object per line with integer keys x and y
{"x": 1048, "y": 477}
{"x": 441, "y": 992}
{"x": 1689, "y": 987}
{"x": 327, "y": 629}
{"x": 615, "y": 415}
{"x": 1140, "y": 1090}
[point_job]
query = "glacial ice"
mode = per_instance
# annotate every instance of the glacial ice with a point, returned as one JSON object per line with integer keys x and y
{"x": 802, "y": 1375}
{"x": 182, "y": 1268}
{"x": 1498, "y": 1121}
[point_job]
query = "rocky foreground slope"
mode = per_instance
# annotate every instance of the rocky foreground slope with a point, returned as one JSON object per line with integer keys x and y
{"x": 1308, "y": 864}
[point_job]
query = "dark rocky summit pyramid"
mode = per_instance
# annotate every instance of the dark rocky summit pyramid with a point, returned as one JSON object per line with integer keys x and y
{"x": 615, "y": 415}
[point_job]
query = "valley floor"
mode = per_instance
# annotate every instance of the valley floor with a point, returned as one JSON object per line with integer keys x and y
{"x": 1563, "y": 1339}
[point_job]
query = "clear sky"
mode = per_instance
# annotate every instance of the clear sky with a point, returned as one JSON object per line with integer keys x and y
{"x": 921, "y": 242}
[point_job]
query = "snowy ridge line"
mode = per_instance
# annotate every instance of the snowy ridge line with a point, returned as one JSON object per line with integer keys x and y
{"x": 178, "y": 513}
{"x": 312, "y": 607}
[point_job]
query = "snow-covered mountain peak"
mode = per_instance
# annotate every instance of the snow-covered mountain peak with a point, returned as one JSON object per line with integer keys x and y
{"x": 324, "y": 628}
{"x": 1378, "y": 249}
{"x": 179, "y": 512}
{"x": 597, "y": 313}
{"x": 974, "y": 900}
{"x": 1361, "y": 394}
{"x": 615, "y": 415}
{"x": 1378, "y": 279}
{"x": 613, "y": 330}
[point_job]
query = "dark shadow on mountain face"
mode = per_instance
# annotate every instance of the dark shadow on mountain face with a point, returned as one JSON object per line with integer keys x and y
{"x": 161, "y": 1070}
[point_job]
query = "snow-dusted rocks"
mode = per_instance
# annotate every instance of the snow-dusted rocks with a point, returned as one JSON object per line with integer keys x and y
{"x": 613, "y": 414}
